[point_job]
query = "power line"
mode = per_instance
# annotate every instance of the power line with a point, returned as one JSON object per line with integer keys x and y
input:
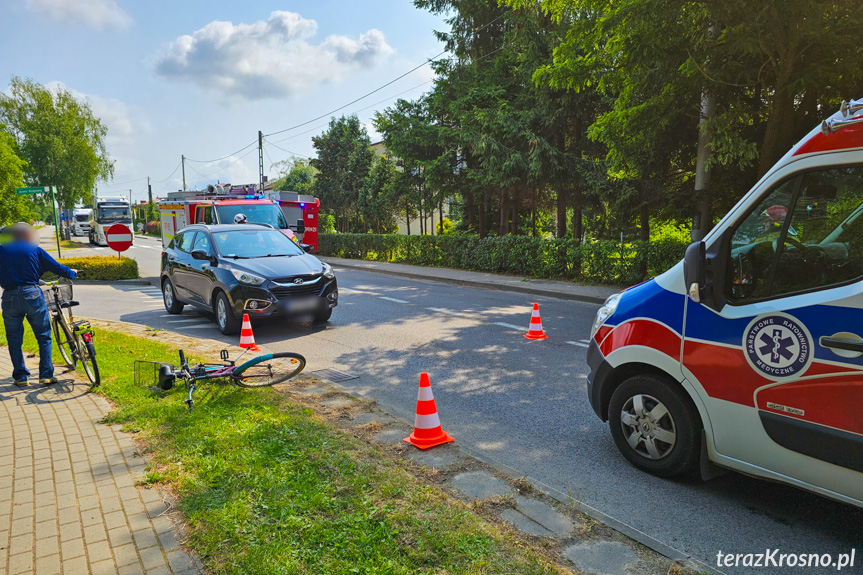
{"x": 169, "y": 175}
{"x": 363, "y": 97}
{"x": 223, "y": 157}
{"x": 355, "y": 111}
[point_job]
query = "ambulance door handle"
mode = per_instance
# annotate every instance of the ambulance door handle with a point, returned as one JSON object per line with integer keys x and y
{"x": 843, "y": 344}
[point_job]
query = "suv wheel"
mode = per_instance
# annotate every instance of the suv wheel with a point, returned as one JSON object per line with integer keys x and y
{"x": 655, "y": 425}
{"x": 169, "y": 298}
{"x": 229, "y": 324}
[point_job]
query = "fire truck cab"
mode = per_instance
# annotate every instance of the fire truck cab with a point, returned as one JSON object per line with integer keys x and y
{"x": 748, "y": 354}
{"x": 220, "y": 204}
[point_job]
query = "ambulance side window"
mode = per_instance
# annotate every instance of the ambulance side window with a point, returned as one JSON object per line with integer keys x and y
{"x": 781, "y": 249}
{"x": 752, "y": 244}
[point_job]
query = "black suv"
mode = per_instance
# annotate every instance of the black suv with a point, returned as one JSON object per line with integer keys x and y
{"x": 235, "y": 269}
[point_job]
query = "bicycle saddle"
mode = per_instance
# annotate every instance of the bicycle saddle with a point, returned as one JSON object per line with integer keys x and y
{"x": 70, "y": 303}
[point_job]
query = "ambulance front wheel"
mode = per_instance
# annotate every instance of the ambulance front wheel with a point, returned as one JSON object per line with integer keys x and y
{"x": 655, "y": 425}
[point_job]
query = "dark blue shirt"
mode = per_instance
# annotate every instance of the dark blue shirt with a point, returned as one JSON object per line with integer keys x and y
{"x": 23, "y": 264}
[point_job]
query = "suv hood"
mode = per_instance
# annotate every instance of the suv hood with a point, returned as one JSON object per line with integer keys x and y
{"x": 280, "y": 267}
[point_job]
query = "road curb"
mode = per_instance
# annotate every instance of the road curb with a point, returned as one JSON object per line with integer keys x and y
{"x": 474, "y": 283}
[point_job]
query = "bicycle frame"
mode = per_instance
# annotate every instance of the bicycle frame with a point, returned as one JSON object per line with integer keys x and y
{"x": 203, "y": 372}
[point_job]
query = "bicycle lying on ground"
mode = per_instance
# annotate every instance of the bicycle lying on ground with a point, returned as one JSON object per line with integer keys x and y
{"x": 74, "y": 338}
{"x": 262, "y": 371}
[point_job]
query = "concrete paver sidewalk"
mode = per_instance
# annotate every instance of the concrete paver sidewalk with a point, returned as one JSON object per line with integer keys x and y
{"x": 550, "y": 288}
{"x": 68, "y": 499}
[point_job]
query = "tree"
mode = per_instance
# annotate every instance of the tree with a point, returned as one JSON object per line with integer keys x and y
{"x": 12, "y": 206}
{"x": 772, "y": 71}
{"x": 59, "y": 137}
{"x": 344, "y": 160}
{"x": 295, "y": 175}
{"x": 379, "y": 198}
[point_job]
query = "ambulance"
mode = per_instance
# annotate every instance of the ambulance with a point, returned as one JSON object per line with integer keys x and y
{"x": 748, "y": 354}
{"x": 221, "y": 203}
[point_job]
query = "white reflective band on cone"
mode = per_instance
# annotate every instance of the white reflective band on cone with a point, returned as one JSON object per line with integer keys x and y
{"x": 425, "y": 394}
{"x": 427, "y": 421}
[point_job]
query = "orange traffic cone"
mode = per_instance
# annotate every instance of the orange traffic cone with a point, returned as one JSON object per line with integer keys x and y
{"x": 427, "y": 429}
{"x": 247, "y": 339}
{"x": 535, "y": 329}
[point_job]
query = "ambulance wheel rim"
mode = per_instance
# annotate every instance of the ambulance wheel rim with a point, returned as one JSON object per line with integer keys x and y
{"x": 222, "y": 313}
{"x": 648, "y": 426}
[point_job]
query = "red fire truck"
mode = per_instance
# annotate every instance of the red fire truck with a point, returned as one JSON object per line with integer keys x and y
{"x": 219, "y": 204}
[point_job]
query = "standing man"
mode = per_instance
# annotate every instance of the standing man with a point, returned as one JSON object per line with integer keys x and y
{"x": 22, "y": 264}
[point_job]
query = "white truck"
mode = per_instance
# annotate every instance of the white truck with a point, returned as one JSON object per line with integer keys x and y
{"x": 108, "y": 211}
{"x": 80, "y": 224}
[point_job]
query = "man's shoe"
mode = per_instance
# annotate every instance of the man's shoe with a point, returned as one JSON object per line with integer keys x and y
{"x": 22, "y": 383}
{"x": 48, "y": 381}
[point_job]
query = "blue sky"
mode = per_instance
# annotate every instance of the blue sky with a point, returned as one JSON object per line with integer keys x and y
{"x": 200, "y": 78}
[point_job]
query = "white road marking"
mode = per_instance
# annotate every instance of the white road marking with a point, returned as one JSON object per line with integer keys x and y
{"x": 578, "y": 343}
{"x": 186, "y": 320}
{"x": 196, "y": 326}
{"x": 147, "y": 247}
{"x": 446, "y": 311}
{"x": 584, "y": 340}
{"x": 392, "y": 299}
{"x": 509, "y": 325}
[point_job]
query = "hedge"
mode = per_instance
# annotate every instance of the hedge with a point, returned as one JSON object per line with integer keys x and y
{"x": 153, "y": 229}
{"x": 103, "y": 267}
{"x": 605, "y": 262}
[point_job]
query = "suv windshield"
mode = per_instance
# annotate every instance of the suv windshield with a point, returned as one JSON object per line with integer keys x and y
{"x": 245, "y": 243}
{"x": 263, "y": 213}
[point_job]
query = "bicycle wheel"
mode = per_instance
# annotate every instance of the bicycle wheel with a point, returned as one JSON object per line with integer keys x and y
{"x": 87, "y": 354}
{"x": 65, "y": 341}
{"x": 269, "y": 369}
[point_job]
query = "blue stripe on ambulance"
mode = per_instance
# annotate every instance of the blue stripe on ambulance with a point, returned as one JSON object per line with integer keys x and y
{"x": 651, "y": 301}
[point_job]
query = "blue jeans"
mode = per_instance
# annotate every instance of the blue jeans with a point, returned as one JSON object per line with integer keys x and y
{"x": 27, "y": 302}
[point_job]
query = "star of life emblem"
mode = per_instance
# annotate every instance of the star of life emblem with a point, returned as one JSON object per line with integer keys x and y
{"x": 778, "y": 346}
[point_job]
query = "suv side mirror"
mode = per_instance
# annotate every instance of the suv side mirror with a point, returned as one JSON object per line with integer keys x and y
{"x": 203, "y": 255}
{"x": 693, "y": 270}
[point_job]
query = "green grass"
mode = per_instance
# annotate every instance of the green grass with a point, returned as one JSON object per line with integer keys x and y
{"x": 268, "y": 488}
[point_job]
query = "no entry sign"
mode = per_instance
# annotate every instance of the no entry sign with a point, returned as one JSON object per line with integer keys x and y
{"x": 119, "y": 238}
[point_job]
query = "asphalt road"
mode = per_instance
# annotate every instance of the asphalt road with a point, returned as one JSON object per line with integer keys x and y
{"x": 522, "y": 403}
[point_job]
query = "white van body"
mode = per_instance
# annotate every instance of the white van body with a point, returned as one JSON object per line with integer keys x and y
{"x": 748, "y": 355}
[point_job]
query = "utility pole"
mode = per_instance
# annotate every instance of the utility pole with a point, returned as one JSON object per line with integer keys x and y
{"x": 183, "y": 161}
{"x": 149, "y": 200}
{"x": 261, "y": 160}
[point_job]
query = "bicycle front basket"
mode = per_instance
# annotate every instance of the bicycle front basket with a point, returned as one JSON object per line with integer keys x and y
{"x": 147, "y": 372}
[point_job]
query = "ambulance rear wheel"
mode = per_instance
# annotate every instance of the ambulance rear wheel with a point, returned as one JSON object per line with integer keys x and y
{"x": 655, "y": 425}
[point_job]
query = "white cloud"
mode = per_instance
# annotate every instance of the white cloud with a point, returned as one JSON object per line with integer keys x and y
{"x": 98, "y": 14}
{"x": 268, "y": 58}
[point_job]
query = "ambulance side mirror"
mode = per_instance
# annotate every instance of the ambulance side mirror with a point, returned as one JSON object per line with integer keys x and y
{"x": 693, "y": 270}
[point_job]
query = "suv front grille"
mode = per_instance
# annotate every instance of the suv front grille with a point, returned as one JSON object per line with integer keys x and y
{"x": 283, "y": 292}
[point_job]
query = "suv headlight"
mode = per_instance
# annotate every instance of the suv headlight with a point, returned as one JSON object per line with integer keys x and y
{"x": 247, "y": 278}
{"x": 328, "y": 271}
{"x": 605, "y": 312}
